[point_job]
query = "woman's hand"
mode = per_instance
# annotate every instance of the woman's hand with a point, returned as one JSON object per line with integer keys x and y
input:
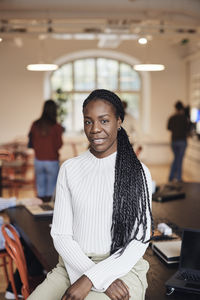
{"x": 78, "y": 290}
{"x": 118, "y": 290}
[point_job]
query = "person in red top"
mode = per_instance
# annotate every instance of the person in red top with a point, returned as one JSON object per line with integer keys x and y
{"x": 45, "y": 137}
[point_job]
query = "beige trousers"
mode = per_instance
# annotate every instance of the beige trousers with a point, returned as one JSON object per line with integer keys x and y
{"x": 57, "y": 282}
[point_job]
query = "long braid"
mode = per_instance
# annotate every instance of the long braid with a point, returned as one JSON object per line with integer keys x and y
{"x": 131, "y": 195}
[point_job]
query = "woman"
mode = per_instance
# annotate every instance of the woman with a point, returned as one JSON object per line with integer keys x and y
{"x": 46, "y": 140}
{"x": 102, "y": 217}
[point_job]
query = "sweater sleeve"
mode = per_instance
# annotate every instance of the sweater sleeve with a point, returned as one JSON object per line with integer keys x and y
{"x": 62, "y": 231}
{"x": 115, "y": 266}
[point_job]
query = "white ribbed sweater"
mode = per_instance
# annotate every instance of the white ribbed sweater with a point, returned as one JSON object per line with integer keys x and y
{"x": 83, "y": 217}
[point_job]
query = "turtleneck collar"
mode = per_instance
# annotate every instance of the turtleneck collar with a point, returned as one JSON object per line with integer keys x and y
{"x": 110, "y": 158}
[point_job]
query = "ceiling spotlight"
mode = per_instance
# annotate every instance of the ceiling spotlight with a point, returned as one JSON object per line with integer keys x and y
{"x": 42, "y": 37}
{"x": 149, "y": 67}
{"x": 18, "y": 42}
{"x": 142, "y": 41}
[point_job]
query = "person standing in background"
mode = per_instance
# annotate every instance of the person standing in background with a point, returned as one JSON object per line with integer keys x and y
{"x": 179, "y": 126}
{"x": 45, "y": 137}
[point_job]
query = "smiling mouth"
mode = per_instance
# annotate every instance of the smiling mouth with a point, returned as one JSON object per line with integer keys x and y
{"x": 97, "y": 141}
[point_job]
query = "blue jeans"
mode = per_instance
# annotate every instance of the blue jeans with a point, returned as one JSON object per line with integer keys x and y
{"x": 46, "y": 172}
{"x": 178, "y": 148}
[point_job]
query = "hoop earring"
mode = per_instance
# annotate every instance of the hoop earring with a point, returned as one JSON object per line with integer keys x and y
{"x": 119, "y": 128}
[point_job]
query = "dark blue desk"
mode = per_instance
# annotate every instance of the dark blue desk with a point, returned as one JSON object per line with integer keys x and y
{"x": 36, "y": 233}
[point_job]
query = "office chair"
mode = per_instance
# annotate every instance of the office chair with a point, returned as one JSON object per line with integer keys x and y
{"x": 17, "y": 172}
{"x": 5, "y": 260}
{"x": 14, "y": 248}
{"x": 6, "y": 155}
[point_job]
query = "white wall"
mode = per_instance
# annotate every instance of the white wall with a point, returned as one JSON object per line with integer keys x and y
{"x": 22, "y": 91}
{"x": 192, "y": 158}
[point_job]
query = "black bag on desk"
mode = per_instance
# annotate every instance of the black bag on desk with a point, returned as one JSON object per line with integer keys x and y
{"x": 168, "y": 192}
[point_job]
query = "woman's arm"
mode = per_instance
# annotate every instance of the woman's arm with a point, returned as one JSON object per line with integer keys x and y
{"x": 108, "y": 270}
{"x": 58, "y": 142}
{"x": 62, "y": 231}
{"x": 78, "y": 290}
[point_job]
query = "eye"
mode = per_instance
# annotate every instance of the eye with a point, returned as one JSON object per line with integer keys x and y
{"x": 104, "y": 121}
{"x": 87, "y": 122}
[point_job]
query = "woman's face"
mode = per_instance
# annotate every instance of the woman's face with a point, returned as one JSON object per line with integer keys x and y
{"x": 101, "y": 126}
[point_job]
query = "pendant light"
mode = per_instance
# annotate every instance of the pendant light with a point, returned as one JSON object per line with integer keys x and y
{"x": 42, "y": 65}
{"x": 148, "y": 67}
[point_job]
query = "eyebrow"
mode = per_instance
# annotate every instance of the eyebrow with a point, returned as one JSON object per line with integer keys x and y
{"x": 101, "y": 116}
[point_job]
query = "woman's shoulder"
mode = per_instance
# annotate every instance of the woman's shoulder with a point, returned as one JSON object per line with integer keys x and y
{"x": 34, "y": 124}
{"x": 58, "y": 126}
{"x": 74, "y": 161}
{"x": 146, "y": 171}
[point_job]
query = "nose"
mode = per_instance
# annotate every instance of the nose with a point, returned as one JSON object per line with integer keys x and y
{"x": 96, "y": 127}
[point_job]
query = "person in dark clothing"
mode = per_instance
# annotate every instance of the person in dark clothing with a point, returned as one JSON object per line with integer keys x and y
{"x": 178, "y": 125}
{"x": 45, "y": 137}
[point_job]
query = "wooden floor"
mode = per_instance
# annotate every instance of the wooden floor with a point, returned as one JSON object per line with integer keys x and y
{"x": 159, "y": 175}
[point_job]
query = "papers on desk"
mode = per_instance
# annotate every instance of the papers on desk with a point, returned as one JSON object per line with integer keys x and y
{"x": 167, "y": 247}
{"x": 41, "y": 210}
{"x": 169, "y": 251}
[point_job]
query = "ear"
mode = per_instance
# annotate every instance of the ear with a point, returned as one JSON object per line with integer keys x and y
{"x": 119, "y": 122}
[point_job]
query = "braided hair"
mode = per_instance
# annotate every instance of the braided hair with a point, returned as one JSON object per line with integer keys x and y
{"x": 131, "y": 195}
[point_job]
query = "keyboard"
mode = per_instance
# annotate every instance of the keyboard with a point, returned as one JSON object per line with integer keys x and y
{"x": 188, "y": 276}
{"x": 46, "y": 207}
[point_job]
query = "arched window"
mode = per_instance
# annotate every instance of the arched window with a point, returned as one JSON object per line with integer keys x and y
{"x": 79, "y": 77}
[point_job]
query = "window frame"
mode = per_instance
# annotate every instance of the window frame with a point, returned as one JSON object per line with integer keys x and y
{"x": 145, "y": 103}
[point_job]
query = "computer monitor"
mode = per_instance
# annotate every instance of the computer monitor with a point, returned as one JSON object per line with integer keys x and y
{"x": 190, "y": 258}
{"x": 195, "y": 119}
{"x": 195, "y": 115}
